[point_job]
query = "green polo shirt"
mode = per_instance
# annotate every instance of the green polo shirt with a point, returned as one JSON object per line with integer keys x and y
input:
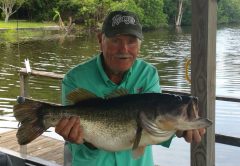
{"x": 141, "y": 78}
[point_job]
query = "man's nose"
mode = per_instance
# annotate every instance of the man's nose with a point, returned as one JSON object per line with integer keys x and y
{"x": 124, "y": 47}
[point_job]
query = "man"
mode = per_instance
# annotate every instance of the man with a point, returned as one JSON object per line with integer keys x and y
{"x": 114, "y": 68}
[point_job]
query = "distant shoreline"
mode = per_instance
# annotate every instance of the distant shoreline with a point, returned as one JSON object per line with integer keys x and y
{"x": 37, "y": 28}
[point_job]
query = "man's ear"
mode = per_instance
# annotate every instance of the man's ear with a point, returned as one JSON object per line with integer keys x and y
{"x": 99, "y": 36}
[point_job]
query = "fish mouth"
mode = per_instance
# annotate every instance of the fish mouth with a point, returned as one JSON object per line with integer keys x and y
{"x": 192, "y": 108}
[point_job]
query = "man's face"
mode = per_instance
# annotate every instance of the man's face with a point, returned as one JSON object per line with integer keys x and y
{"x": 119, "y": 51}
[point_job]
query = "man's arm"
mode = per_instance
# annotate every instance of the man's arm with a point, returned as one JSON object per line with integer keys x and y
{"x": 69, "y": 128}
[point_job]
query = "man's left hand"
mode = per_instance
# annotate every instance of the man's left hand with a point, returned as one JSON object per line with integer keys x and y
{"x": 192, "y": 135}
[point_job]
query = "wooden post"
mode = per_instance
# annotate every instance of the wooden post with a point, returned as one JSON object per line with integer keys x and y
{"x": 23, "y": 85}
{"x": 203, "y": 75}
{"x": 23, "y": 93}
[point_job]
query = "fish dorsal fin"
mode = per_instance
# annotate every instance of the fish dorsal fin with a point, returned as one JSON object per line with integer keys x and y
{"x": 117, "y": 93}
{"x": 79, "y": 95}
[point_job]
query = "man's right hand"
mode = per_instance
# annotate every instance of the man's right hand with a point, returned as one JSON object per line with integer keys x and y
{"x": 70, "y": 129}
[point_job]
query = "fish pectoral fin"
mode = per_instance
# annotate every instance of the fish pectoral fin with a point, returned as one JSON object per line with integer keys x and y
{"x": 137, "y": 138}
{"x": 117, "y": 93}
{"x": 151, "y": 127}
{"x": 194, "y": 124}
{"x": 79, "y": 95}
{"x": 136, "y": 153}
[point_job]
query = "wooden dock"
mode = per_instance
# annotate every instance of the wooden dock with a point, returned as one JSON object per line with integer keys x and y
{"x": 43, "y": 147}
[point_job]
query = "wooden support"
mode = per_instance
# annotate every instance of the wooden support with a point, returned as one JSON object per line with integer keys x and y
{"x": 203, "y": 76}
{"x": 24, "y": 85}
{"x": 24, "y": 93}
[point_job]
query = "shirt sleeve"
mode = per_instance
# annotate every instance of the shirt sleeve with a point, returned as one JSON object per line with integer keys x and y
{"x": 67, "y": 86}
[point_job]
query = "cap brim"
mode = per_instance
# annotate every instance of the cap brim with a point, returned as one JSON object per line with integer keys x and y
{"x": 124, "y": 32}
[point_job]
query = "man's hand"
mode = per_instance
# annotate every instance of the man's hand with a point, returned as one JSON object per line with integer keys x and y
{"x": 192, "y": 135}
{"x": 70, "y": 129}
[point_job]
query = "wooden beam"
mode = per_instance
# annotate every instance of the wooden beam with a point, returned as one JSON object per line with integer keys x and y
{"x": 52, "y": 75}
{"x": 228, "y": 98}
{"x": 221, "y": 98}
{"x": 228, "y": 140}
{"x": 203, "y": 76}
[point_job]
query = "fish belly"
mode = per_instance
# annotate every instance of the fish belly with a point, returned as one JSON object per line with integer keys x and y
{"x": 115, "y": 137}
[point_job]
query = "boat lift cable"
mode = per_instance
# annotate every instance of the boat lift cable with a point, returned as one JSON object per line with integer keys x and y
{"x": 18, "y": 46}
{"x": 26, "y": 61}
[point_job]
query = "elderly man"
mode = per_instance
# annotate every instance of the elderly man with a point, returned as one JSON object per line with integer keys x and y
{"x": 115, "y": 67}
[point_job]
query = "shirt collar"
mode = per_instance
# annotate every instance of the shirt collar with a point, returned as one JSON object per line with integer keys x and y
{"x": 104, "y": 75}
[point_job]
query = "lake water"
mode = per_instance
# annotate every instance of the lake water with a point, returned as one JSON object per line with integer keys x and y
{"x": 168, "y": 50}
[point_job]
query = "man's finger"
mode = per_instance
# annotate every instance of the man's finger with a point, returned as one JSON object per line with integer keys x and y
{"x": 75, "y": 134}
{"x": 188, "y": 136}
{"x": 61, "y": 124}
{"x": 196, "y": 136}
{"x": 79, "y": 139}
{"x": 67, "y": 128}
{"x": 202, "y": 131}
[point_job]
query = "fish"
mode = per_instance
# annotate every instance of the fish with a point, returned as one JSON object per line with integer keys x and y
{"x": 119, "y": 121}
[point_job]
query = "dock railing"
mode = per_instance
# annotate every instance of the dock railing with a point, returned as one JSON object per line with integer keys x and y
{"x": 24, "y": 77}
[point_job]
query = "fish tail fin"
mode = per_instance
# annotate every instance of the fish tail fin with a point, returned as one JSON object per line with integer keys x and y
{"x": 30, "y": 115}
{"x": 195, "y": 124}
{"x": 27, "y": 132}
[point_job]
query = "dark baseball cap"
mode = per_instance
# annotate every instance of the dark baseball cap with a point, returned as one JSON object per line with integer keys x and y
{"x": 122, "y": 22}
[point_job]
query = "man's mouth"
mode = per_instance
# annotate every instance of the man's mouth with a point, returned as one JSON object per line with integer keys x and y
{"x": 119, "y": 56}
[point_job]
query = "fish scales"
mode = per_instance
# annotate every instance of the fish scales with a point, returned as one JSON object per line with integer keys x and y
{"x": 115, "y": 110}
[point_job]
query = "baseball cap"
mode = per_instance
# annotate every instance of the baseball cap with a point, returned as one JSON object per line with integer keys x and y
{"x": 122, "y": 22}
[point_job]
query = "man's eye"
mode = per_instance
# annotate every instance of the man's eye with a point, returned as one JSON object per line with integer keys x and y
{"x": 115, "y": 41}
{"x": 132, "y": 42}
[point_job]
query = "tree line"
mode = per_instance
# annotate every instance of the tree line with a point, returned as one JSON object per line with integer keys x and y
{"x": 152, "y": 13}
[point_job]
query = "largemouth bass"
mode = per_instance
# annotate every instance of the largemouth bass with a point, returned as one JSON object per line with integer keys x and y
{"x": 119, "y": 122}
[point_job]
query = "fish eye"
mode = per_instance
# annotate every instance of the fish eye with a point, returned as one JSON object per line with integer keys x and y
{"x": 195, "y": 99}
{"x": 178, "y": 97}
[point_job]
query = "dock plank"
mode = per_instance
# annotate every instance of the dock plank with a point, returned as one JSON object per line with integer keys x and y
{"x": 43, "y": 147}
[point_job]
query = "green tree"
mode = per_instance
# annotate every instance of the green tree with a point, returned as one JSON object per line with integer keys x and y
{"x": 38, "y": 10}
{"x": 93, "y": 12}
{"x": 171, "y": 9}
{"x": 228, "y": 11}
{"x": 129, "y": 5}
{"x": 153, "y": 13}
{"x": 9, "y": 7}
{"x": 69, "y": 8}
